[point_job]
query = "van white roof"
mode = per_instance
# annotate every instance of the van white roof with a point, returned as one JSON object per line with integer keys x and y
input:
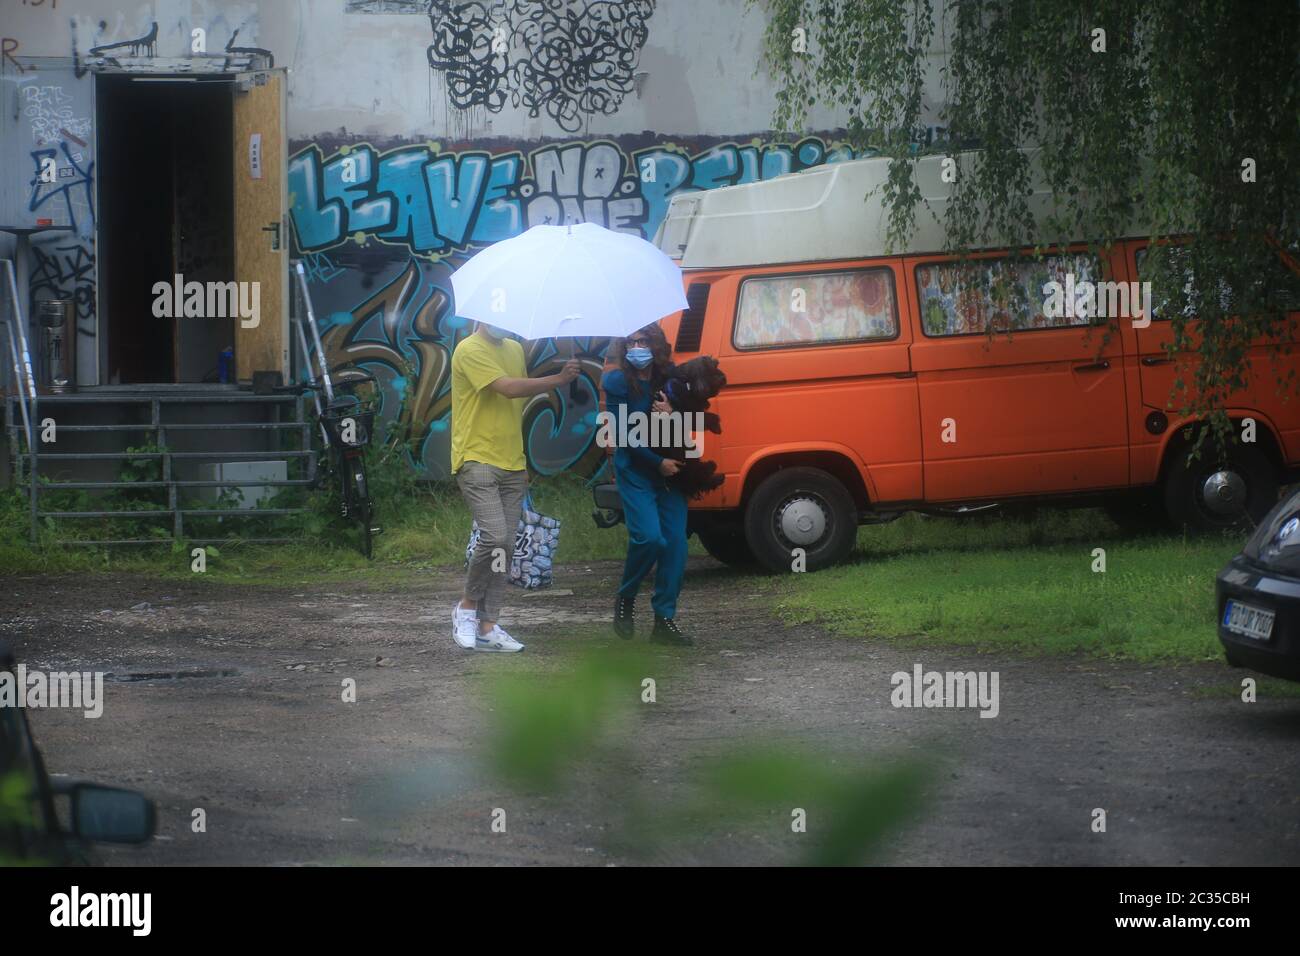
{"x": 821, "y": 214}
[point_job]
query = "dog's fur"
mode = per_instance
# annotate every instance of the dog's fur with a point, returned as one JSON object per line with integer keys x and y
{"x": 689, "y": 388}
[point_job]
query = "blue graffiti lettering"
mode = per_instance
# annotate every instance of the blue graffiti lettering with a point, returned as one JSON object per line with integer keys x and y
{"x": 444, "y": 203}
{"x": 65, "y": 184}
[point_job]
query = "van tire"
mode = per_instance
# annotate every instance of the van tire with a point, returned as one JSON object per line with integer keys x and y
{"x": 821, "y": 500}
{"x": 728, "y": 546}
{"x": 1185, "y": 482}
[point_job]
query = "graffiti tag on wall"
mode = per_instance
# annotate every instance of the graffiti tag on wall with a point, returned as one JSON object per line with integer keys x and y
{"x": 49, "y": 112}
{"x": 66, "y": 270}
{"x": 61, "y": 189}
{"x": 438, "y": 203}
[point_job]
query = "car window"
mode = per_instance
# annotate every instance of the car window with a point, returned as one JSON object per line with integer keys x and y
{"x": 975, "y": 297}
{"x": 822, "y": 308}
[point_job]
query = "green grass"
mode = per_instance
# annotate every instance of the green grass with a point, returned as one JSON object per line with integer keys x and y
{"x": 1023, "y": 585}
{"x": 1266, "y": 688}
{"x": 425, "y": 525}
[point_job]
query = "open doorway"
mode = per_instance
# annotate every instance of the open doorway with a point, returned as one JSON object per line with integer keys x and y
{"x": 165, "y": 208}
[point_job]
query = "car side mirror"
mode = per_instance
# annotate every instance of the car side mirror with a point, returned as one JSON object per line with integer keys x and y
{"x": 110, "y": 815}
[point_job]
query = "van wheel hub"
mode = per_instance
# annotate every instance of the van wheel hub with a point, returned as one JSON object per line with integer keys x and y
{"x": 802, "y": 521}
{"x": 1224, "y": 493}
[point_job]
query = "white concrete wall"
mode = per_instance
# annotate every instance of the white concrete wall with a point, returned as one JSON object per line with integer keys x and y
{"x": 369, "y": 73}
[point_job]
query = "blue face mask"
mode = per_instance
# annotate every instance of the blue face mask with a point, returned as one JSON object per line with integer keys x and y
{"x": 640, "y": 357}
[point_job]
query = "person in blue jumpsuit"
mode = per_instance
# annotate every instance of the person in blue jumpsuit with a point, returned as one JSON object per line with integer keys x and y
{"x": 654, "y": 512}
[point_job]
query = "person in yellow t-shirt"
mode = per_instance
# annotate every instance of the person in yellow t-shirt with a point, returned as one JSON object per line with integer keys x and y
{"x": 489, "y": 382}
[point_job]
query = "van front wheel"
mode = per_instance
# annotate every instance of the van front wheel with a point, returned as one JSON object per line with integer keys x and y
{"x": 800, "y": 519}
{"x": 1216, "y": 493}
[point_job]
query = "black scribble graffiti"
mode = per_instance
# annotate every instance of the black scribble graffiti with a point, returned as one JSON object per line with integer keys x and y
{"x": 250, "y": 52}
{"x": 146, "y": 45}
{"x": 569, "y": 58}
{"x": 66, "y": 271}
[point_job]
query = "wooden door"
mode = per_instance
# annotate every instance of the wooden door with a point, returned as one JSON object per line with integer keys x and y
{"x": 260, "y": 230}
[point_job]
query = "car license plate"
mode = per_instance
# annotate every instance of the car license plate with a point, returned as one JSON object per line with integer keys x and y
{"x": 1252, "y": 622}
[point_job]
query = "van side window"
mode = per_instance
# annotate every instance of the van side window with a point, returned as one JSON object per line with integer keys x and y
{"x": 974, "y": 297}
{"x": 1158, "y": 311}
{"x": 822, "y": 308}
{"x": 1284, "y": 283}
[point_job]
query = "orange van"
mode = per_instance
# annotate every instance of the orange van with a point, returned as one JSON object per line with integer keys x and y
{"x": 863, "y": 383}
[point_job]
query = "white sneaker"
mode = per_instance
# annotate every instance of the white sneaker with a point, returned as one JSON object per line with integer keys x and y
{"x": 464, "y": 626}
{"x": 497, "y": 640}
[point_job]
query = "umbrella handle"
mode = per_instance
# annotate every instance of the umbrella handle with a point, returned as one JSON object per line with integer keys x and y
{"x": 576, "y": 394}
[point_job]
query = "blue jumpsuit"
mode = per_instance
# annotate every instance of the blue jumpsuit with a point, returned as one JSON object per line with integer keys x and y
{"x": 655, "y": 514}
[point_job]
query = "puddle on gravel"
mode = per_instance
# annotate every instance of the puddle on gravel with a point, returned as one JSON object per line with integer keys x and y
{"x": 171, "y": 675}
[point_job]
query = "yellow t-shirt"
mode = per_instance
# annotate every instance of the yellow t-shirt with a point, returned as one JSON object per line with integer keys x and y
{"x": 485, "y": 425}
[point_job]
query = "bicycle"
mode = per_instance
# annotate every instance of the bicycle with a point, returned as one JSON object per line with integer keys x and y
{"x": 345, "y": 425}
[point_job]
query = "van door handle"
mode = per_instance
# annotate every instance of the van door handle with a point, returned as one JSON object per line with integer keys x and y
{"x": 1152, "y": 360}
{"x": 1093, "y": 366}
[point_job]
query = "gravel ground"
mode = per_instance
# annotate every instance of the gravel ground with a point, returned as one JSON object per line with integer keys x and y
{"x": 252, "y": 730}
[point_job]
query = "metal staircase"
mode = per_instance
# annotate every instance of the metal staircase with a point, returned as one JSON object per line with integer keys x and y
{"x": 79, "y": 441}
{"x": 183, "y": 427}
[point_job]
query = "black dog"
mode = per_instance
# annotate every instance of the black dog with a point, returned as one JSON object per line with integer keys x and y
{"x": 688, "y": 389}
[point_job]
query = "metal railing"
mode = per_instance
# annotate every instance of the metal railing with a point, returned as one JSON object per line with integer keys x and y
{"x": 15, "y": 327}
{"x": 175, "y": 510}
{"x": 27, "y": 457}
{"x": 309, "y": 317}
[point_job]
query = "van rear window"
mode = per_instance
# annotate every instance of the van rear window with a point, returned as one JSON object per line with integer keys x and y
{"x": 824, "y": 308}
{"x": 975, "y": 297}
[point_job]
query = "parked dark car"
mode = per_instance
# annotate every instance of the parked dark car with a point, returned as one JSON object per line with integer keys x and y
{"x": 30, "y": 829}
{"x": 1259, "y": 596}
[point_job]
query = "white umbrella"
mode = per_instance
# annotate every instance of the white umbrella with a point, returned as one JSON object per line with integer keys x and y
{"x": 579, "y": 280}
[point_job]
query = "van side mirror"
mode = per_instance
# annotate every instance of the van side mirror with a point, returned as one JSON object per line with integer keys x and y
{"x": 110, "y": 815}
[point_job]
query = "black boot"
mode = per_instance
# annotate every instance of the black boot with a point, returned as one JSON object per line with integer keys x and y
{"x": 666, "y": 631}
{"x": 623, "y": 625}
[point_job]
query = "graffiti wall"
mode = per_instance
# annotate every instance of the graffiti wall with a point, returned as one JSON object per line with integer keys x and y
{"x": 451, "y": 124}
{"x": 53, "y": 146}
{"x": 381, "y": 228}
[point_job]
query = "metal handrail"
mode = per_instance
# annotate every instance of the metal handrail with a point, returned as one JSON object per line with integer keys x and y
{"x": 315, "y": 334}
{"x": 16, "y": 365}
{"x": 22, "y": 357}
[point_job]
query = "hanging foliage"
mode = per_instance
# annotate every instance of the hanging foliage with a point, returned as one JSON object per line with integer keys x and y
{"x": 1179, "y": 117}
